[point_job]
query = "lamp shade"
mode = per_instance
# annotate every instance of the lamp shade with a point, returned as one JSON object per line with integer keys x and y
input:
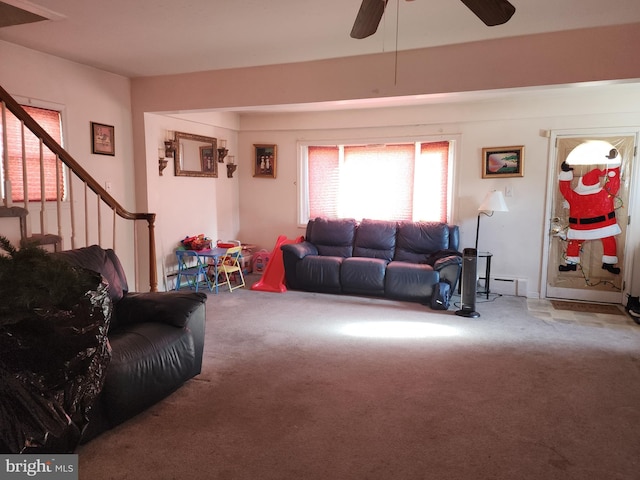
{"x": 493, "y": 202}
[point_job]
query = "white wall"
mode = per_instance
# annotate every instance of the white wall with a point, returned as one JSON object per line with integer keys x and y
{"x": 268, "y": 207}
{"x": 187, "y": 206}
{"x": 183, "y": 205}
{"x": 257, "y": 210}
{"x": 85, "y": 95}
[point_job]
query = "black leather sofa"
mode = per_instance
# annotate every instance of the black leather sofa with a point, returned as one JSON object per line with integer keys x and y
{"x": 399, "y": 260}
{"x": 156, "y": 338}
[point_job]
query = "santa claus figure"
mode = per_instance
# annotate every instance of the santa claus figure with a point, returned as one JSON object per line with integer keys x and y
{"x": 592, "y": 213}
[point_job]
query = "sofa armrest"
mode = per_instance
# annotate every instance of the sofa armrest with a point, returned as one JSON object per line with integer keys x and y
{"x": 171, "y": 308}
{"x": 292, "y": 253}
{"x": 450, "y": 269}
{"x": 442, "y": 262}
{"x": 299, "y": 250}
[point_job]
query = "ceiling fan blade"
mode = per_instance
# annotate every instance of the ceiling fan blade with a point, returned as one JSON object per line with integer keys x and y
{"x": 491, "y": 12}
{"x": 368, "y": 18}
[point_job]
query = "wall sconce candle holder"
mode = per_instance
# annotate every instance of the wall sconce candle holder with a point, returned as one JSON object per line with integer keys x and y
{"x": 222, "y": 150}
{"x": 222, "y": 153}
{"x": 162, "y": 161}
{"x": 231, "y": 167}
{"x": 162, "y": 164}
{"x": 169, "y": 148}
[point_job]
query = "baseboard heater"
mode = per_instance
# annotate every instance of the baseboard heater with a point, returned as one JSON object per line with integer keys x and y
{"x": 506, "y": 286}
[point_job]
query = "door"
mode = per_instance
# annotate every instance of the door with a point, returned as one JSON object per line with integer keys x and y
{"x": 589, "y": 211}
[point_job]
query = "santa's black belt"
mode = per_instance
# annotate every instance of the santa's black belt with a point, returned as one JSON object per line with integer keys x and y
{"x": 588, "y": 221}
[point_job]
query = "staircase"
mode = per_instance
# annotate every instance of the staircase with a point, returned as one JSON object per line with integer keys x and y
{"x": 78, "y": 219}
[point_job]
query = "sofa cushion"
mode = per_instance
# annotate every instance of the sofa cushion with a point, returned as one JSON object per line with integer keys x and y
{"x": 364, "y": 276}
{"x": 416, "y": 241}
{"x": 375, "y": 239}
{"x": 454, "y": 237}
{"x": 410, "y": 281}
{"x": 332, "y": 237}
{"x": 319, "y": 273}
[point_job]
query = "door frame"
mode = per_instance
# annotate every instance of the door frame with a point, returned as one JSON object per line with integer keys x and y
{"x": 630, "y": 283}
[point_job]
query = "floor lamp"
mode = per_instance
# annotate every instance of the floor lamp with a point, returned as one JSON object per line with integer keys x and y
{"x": 493, "y": 202}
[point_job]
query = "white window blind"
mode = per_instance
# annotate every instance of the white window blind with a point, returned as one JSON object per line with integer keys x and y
{"x": 324, "y": 181}
{"x": 406, "y": 181}
{"x": 49, "y": 120}
{"x": 432, "y": 182}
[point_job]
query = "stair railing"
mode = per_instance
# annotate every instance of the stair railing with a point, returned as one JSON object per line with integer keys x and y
{"x": 7, "y": 102}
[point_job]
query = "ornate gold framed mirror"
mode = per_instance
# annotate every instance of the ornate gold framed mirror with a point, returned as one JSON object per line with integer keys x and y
{"x": 196, "y": 155}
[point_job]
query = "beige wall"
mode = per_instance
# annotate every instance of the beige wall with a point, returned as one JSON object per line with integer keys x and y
{"x": 84, "y": 94}
{"x": 257, "y": 210}
{"x": 190, "y": 205}
{"x": 268, "y": 207}
{"x": 604, "y": 53}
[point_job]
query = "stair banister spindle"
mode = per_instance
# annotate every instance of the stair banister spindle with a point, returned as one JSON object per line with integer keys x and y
{"x": 153, "y": 269}
{"x": 72, "y": 208}
{"x": 5, "y": 158}
{"x": 98, "y": 198}
{"x": 114, "y": 229}
{"x": 43, "y": 198}
{"x": 58, "y": 198}
{"x": 25, "y": 181}
{"x": 86, "y": 214}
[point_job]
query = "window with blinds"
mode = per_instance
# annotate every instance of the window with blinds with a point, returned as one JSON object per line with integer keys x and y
{"x": 407, "y": 181}
{"x": 51, "y": 172}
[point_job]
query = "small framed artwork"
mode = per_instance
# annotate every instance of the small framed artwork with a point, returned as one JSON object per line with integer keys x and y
{"x": 207, "y": 159}
{"x": 103, "y": 139}
{"x": 265, "y": 161}
{"x": 503, "y": 162}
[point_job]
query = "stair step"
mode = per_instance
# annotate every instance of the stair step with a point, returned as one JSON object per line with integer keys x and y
{"x": 47, "y": 239}
{"x": 13, "y": 212}
{"x": 16, "y": 212}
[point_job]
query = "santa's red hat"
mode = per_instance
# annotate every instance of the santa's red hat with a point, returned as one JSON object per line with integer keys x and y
{"x": 589, "y": 182}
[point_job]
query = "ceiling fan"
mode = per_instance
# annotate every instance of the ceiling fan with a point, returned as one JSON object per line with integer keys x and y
{"x": 491, "y": 12}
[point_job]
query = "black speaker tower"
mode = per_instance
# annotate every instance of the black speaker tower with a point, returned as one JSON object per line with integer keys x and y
{"x": 469, "y": 283}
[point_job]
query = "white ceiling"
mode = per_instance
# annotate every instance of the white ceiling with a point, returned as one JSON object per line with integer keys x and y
{"x": 156, "y": 37}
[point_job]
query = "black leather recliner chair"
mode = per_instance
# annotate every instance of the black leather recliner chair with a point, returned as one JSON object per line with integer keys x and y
{"x": 157, "y": 340}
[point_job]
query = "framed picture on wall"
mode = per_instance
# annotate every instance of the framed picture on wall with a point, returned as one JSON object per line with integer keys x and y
{"x": 265, "y": 161}
{"x": 102, "y": 139}
{"x": 503, "y": 162}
